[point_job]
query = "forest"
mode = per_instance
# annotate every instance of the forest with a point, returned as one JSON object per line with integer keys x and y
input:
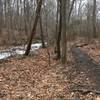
{"x": 49, "y": 50}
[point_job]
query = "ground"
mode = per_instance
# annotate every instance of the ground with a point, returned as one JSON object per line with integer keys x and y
{"x": 31, "y": 78}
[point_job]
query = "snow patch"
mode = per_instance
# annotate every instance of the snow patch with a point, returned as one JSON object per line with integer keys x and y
{"x": 20, "y": 50}
{"x": 4, "y": 55}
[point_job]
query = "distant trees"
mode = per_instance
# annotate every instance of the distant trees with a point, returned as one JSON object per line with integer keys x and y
{"x": 17, "y": 17}
{"x": 59, "y": 20}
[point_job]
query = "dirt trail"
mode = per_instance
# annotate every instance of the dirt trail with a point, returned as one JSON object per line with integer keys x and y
{"x": 83, "y": 62}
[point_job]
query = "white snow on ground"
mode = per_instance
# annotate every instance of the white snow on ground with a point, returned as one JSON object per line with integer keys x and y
{"x": 4, "y": 55}
{"x": 36, "y": 46}
{"x": 20, "y": 50}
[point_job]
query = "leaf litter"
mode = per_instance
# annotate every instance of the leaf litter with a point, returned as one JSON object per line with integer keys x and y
{"x": 31, "y": 78}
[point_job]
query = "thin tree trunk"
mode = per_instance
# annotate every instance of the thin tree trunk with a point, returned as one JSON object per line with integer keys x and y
{"x": 70, "y": 11}
{"x": 38, "y": 10}
{"x": 1, "y": 15}
{"x": 59, "y": 31}
{"x": 60, "y": 24}
{"x": 94, "y": 19}
{"x": 42, "y": 35}
{"x": 64, "y": 44}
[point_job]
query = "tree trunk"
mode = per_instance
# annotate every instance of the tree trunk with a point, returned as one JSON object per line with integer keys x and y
{"x": 42, "y": 35}
{"x": 1, "y": 15}
{"x": 59, "y": 31}
{"x": 94, "y": 19}
{"x": 38, "y": 10}
{"x": 63, "y": 11}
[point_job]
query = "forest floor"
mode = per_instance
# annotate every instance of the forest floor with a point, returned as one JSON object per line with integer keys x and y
{"x": 31, "y": 78}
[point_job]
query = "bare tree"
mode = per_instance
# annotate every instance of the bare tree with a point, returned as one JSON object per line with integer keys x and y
{"x": 42, "y": 35}
{"x": 94, "y": 18}
{"x": 38, "y": 10}
{"x": 58, "y": 29}
{"x": 1, "y": 15}
{"x": 64, "y": 42}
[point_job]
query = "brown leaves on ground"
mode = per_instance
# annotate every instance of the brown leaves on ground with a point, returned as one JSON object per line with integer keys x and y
{"x": 32, "y": 79}
{"x": 93, "y": 50}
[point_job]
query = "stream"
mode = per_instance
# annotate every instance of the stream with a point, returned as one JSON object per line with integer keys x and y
{"x": 18, "y": 50}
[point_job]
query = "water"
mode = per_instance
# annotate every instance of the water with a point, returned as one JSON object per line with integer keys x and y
{"x": 18, "y": 50}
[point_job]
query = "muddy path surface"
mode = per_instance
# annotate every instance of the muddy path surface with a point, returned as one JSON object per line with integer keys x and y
{"x": 84, "y": 63}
